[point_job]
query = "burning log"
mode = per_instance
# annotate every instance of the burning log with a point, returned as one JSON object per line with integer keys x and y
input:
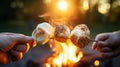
{"x": 61, "y": 33}
{"x": 80, "y": 35}
{"x": 43, "y": 33}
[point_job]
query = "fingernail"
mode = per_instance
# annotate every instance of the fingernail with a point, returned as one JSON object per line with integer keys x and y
{"x": 27, "y": 48}
{"x": 34, "y": 44}
{"x": 93, "y": 46}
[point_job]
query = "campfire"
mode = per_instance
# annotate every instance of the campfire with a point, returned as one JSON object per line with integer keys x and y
{"x": 65, "y": 44}
{"x": 66, "y": 54}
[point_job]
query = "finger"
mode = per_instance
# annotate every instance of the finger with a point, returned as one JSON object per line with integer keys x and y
{"x": 94, "y": 45}
{"x": 15, "y": 55}
{"x": 99, "y": 44}
{"x": 102, "y": 37}
{"x": 104, "y": 49}
{"x": 22, "y": 47}
{"x": 12, "y": 34}
{"x": 21, "y": 38}
{"x": 33, "y": 43}
{"x": 106, "y": 54}
{"x": 28, "y": 40}
{"x": 6, "y": 43}
{"x": 4, "y": 58}
{"x": 7, "y": 33}
{"x": 112, "y": 53}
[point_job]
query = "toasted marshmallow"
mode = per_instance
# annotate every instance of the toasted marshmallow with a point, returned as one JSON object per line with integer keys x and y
{"x": 43, "y": 32}
{"x": 62, "y": 33}
{"x": 80, "y": 35}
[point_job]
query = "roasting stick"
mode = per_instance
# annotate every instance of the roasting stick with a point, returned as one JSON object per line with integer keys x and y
{"x": 80, "y": 35}
{"x": 91, "y": 40}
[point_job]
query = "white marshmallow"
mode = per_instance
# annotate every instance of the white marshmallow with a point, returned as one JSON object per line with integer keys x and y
{"x": 43, "y": 32}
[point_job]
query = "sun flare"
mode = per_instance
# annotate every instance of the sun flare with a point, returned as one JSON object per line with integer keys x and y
{"x": 62, "y": 5}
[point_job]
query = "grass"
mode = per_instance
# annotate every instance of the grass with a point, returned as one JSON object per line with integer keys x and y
{"x": 16, "y": 27}
{"x": 102, "y": 28}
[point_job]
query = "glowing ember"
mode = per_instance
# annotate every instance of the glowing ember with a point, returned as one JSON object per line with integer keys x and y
{"x": 66, "y": 54}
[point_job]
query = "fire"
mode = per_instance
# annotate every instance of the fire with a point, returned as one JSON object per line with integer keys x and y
{"x": 66, "y": 54}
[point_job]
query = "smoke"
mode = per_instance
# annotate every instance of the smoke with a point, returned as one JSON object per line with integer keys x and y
{"x": 54, "y": 19}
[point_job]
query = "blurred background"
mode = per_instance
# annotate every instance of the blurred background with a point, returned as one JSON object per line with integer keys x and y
{"x": 22, "y": 16}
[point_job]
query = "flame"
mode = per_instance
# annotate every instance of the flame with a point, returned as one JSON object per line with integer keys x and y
{"x": 66, "y": 54}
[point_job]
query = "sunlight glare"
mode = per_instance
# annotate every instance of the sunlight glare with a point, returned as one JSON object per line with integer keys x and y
{"x": 62, "y": 5}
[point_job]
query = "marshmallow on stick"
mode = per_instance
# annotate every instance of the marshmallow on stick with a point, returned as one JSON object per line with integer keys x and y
{"x": 62, "y": 33}
{"x": 43, "y": 32}
{"x": 80, "y": 35}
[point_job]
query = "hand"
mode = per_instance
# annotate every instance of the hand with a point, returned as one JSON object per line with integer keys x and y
{"x": 13, "y": 45}
{"x": 108, "y": 44}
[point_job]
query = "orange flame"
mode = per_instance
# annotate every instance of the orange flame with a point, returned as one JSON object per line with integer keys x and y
{"x": 66, "y": 54}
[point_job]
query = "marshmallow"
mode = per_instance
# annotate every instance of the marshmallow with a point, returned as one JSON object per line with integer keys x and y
{"x": 62, "y": 33}
{"x": 43, "y": 33}
{"x": 80, "y": 35}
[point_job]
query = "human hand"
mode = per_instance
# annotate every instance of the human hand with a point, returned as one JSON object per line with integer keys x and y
{"x": 108, "y": 44}
{"x": 13, "y": 46}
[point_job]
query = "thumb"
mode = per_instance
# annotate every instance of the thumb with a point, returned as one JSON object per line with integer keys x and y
{"x": 99, "y": 44}
{"x": 4, "y": 58}
{"x": 22, "y": 39}
{"x": 102, "y": 37}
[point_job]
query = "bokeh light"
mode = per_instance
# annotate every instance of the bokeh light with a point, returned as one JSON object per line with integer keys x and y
{"x": 62, "y": 5}
{"x": 13, "y": 5}
{"x": 103, "y": 6}
{"x": 96, "y": 62}
{"x": 116, "y": 4}
{"x": 85, "y": 4}
{"x": 47, "y": 1}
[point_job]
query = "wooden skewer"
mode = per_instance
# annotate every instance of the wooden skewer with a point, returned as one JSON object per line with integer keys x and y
{"x": 92, "y": 40}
